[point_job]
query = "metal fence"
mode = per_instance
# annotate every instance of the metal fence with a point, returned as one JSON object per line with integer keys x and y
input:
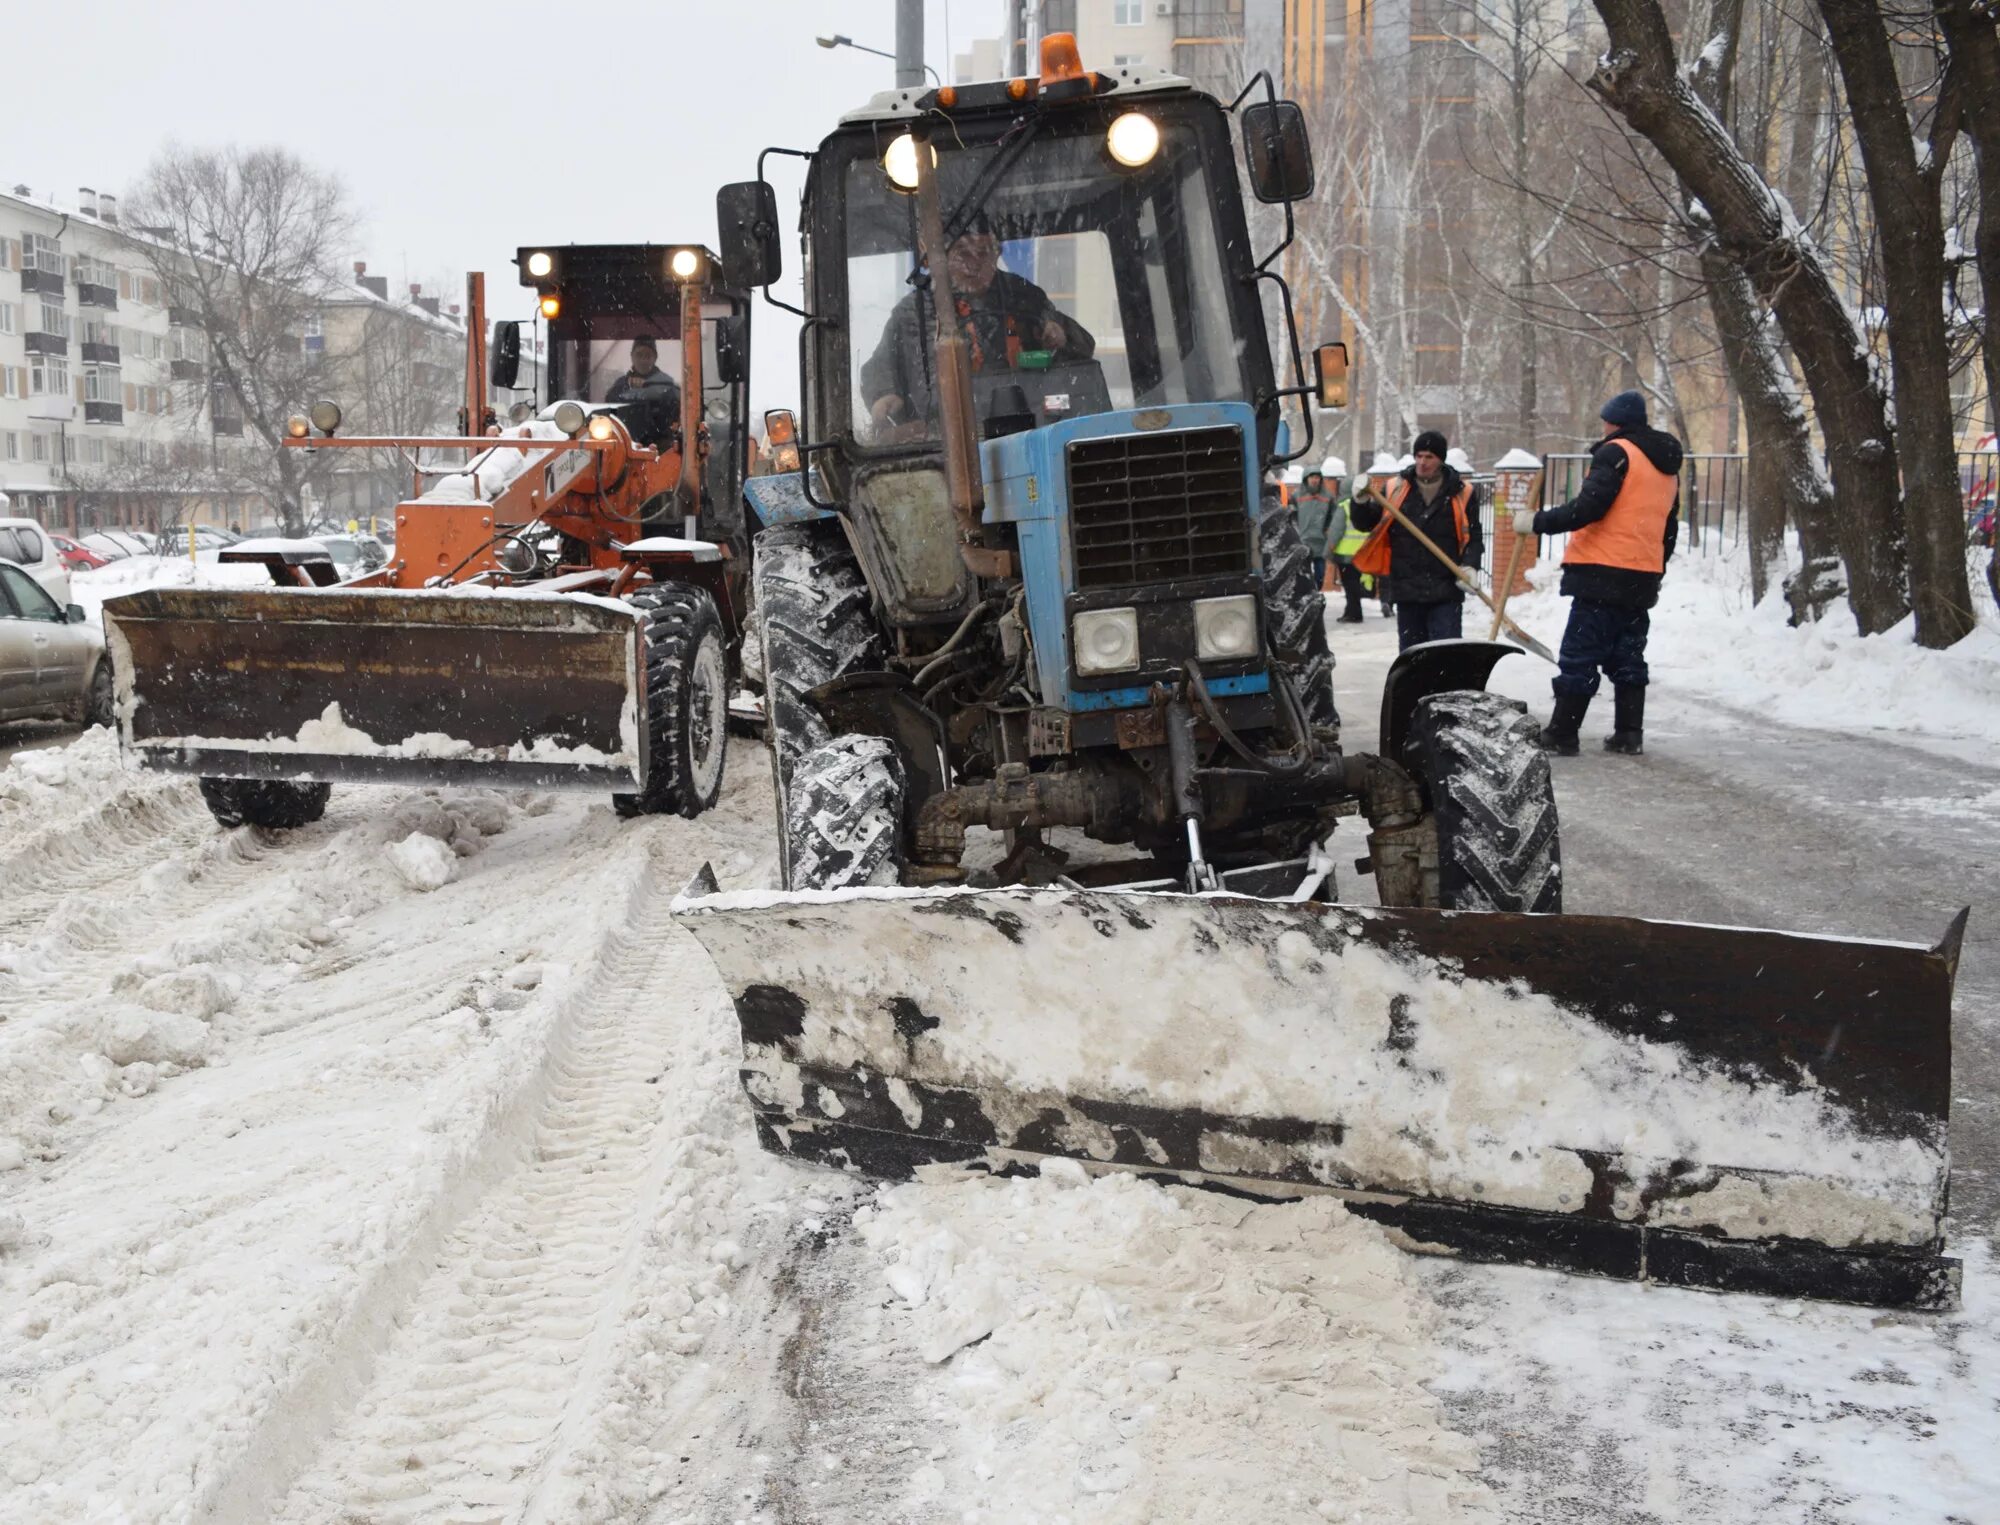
{"x": 1712, "y": 488}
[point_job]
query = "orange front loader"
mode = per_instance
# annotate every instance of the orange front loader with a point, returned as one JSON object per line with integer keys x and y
{"x": 558, "y": 608}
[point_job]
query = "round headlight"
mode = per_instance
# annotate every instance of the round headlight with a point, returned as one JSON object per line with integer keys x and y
{"x": 552, "y": 306}
{"x": 1133, "y": 139}
{"x": 899, "y": 162}
{"x": 601, "y": 426}
{"x": 686, "y": 264}
{"x": 540, "y": 263}
{"x": 298, "y": 426}
{"x": 570, "y": 418}
{"x": 326, "y": 415}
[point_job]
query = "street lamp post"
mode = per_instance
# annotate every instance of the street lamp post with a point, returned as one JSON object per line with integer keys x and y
{"x": 910, "y": 67}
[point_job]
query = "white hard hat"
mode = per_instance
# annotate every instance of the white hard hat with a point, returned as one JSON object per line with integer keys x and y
{"x": 1406, "y": 463}
{"x": 1384, "y": 465}
{"x": 1333, "y": 466}
{"x": 1295, "y": 474}
{"x": 1458, "y": 460}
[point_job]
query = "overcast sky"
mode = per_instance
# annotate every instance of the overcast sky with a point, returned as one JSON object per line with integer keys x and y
{"x": 465, "y": 131}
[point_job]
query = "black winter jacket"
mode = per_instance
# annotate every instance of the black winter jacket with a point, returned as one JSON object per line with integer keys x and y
{"x": 1415, "y": 576}
{"x": 1622, "y": 587}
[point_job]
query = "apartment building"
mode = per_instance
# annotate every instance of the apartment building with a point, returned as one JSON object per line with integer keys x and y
{"x": 108, "y": 413}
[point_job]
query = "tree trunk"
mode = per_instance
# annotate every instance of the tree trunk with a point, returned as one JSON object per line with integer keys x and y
{"x": 1974, "y": 38}
{"x": 1909, "y": 227}
{"x": 1638, "y": 77}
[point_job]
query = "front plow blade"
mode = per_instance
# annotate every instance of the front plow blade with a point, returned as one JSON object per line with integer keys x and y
{"x": 379, "y": 686}
{"x": 1698, "y": 1106}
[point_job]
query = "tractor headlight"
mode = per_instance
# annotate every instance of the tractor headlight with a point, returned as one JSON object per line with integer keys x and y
{"x": 569, "y": 417}
{"x": 899, "y": 161}
{"x": 1133, "y": 139}
{"x": 1106, "y": 640}
{"x": 1225, "y": 629}
{"x": 540, "y": 263}
{"x": 685, "y": 264}
{"x": 325, "y": 415}
{"x": 601, "y": 427}
{"x": 298, "y": 426}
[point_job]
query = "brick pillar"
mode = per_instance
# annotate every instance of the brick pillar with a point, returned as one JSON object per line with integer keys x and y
{"x": 1517, "y": 485}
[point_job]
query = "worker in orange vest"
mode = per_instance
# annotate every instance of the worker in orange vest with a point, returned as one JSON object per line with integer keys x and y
{"x": 1430, "y": 601}
{"x": 1622, "y": 526}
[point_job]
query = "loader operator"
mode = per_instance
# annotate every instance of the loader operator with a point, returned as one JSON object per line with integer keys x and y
{"x": 657, "y": 394}
{"x": 1622, "y": 525}
{"x": 1002, "y": 314}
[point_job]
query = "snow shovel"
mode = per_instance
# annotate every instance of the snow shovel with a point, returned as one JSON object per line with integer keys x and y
{"x": 379, "y": 686}
{"x": 1469, "y": 580}
{"x": 1655, "y": 1101}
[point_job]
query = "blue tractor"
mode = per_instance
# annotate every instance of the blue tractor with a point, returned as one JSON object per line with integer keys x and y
{"x": 1057, "y": 765}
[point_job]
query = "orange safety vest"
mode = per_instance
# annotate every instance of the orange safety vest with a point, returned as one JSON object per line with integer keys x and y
{"x": 1373, "y": 557}
{"x": 1633, "y": 532}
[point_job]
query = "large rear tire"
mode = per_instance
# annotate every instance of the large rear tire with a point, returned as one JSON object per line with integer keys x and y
{"x": 1499, "y": 843}
{"x": 276, "y": 803}
{"x": 687, "y": 703}
{"x": 1295, "y": 614}
{"x": 816, "y": 624}
{"x": 843, "y": 819}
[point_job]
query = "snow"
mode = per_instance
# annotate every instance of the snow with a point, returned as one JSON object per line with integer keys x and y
{"x": 492, "y": 472}
{"x": 1708, "y": 638}
{"x": 1518, "y": 459}
{"x": 135, "y": 574}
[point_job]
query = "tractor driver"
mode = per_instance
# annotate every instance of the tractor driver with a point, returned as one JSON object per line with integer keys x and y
{"x": 1001, "y": 313}
{"x": 658, "y": 395}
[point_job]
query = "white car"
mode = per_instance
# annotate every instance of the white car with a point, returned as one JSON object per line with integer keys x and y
{"x": 118, "y": 544}
{"x": 28, "y": 546}
{"x": 52, "y": 662}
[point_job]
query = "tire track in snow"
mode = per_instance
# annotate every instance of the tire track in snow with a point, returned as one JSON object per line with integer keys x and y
{"x": 517, "y": 1323}
{"x": 80, "y": 855}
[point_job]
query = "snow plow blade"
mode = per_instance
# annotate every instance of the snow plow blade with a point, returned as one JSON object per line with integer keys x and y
{"x": 379, "y": 686}
{"x": 1655, "y": 1101}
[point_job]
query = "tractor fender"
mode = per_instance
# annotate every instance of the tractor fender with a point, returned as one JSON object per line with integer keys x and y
{"x": 781, "y": 499}
{"x": 1435, "y": 667}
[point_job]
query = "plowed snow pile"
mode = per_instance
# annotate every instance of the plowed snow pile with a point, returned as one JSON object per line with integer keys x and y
{"x": 1105, "y": 1351}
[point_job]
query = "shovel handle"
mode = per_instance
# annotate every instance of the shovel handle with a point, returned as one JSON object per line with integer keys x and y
{"x": 1506, "y": 589}
{"x": 1471, "y": 582}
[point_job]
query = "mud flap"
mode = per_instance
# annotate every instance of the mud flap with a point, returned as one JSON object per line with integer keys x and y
{"x": 380, "y": 686}
{"x": 1656, "y": 1101}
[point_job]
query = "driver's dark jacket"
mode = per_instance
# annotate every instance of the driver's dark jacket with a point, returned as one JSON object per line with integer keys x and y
{"x": 902, "y": 365}
{"x": 655, "y": 383}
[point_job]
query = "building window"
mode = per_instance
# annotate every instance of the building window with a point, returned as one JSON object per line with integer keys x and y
{"x": 13, "y": 381}
{"x": 56, "y": 321}
{"x": 95, "y": 272}
{"x": 13, "y": 445}
{"x": 1127, "y": 60}
{"x": 1128, "y": 13}
{"x": 38, "y": 447}
{"x": 186, "y": 344}
{"x": 48, "y": 375}
{"x": 40, "y": 252}
{"x": 6, "y": 317}
{"x": 97, "y": 331}
{"x": 102, "y": 384}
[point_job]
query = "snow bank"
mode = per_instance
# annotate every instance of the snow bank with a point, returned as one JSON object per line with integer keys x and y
{"x": 134, "y": 574}
{"x": 1108, "y": 1351}
{"x": 1708, "y": 638}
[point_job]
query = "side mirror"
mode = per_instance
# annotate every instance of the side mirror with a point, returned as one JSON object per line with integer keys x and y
{"x": 732, "y": 348}
{"x": 73, "y": 613}
{"x": 1277, "y": 151}
{"x": 1330, "y": 367}
{"x": 746, "y": 214}
{"x": 504, "y": 364}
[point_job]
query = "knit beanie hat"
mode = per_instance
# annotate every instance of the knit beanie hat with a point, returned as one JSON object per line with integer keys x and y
{"x": 1433, "y": 443}
{"x": 1627, "y": 410}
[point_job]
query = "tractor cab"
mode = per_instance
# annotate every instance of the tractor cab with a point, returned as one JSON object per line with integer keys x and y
{"x": 618, "y": 318}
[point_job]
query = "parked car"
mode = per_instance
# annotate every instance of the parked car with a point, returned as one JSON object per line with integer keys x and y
{"x": 28, "y": 546}
{"x": 77, "y": 556}
{"x": 118, "y": 544}
{"x": 52, "y": 661}
{"x": 353, "y": 554}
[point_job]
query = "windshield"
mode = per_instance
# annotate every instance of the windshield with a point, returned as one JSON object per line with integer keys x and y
{"x": 1088, "y": 286}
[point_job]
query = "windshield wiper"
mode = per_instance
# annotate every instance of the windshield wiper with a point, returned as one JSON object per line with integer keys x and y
{"x": 988, "y": 178}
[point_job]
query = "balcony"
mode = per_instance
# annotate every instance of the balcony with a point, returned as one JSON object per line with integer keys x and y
{"x": 48, "y": 282}
{"x": 98, "y": 354}
{"x": 90, "y": 295}
{"x": 103, "y": 413}
{"x": 186, "y": 370}
{"x": 39, "y": 343}
{"x": 183, "y": 317}
{"x": 230, "y": 426}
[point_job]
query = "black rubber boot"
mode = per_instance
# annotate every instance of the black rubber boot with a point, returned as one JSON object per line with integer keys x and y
{"x": 1559, "y": 735}
{"x": 1628, "y": 723}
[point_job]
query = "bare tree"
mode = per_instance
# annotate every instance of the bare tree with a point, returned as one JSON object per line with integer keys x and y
{"x": 243, "y": 241}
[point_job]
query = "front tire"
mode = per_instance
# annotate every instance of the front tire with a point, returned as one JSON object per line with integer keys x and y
{"x": 99, "y": 706}
{"x": 843, "y": 819}
{"x": 687, "y": 703}
{"x": 1295, "y": 615}
{"x": 275, "y": 803}
{"x": 1499, "y": 842}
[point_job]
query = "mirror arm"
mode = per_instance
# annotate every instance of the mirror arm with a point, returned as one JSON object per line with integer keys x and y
{"x": 779, "y": 303}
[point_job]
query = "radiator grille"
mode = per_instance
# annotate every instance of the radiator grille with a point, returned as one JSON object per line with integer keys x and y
{"x": 1147, "y": 508}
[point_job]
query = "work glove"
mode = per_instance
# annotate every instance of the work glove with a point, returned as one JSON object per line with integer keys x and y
{"x": 1524, "y": 522}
